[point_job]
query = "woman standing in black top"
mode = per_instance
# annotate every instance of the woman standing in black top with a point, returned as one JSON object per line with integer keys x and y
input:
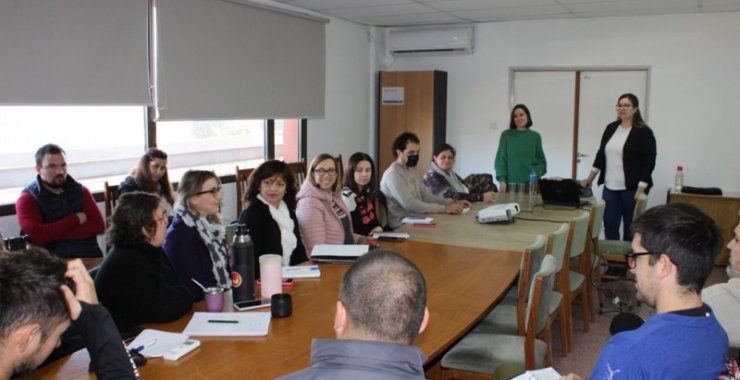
{"x": 270, "y": 214}
{"x": 625, "y": 160}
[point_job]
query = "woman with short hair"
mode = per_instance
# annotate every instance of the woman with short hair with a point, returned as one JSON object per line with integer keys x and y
{"x": 442, "y": 180}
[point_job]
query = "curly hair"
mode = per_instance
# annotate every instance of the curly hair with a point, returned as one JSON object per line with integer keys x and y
{"x": 133, "y": 215}
{"x": 269, "y": 169}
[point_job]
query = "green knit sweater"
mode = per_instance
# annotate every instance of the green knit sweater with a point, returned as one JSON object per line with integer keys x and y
{"x": 518, "y": 153}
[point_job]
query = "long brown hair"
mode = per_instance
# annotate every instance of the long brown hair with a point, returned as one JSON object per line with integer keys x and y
{"x": 143, "y": 177}
{"x": 637, "y": 120}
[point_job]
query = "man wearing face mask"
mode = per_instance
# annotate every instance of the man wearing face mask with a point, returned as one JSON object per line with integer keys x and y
{"x": 404, "y": 188}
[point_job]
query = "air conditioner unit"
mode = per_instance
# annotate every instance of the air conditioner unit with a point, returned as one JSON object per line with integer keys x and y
{"x": 455, "y": 39}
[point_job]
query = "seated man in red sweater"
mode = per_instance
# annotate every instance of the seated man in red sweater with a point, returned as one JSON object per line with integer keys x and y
{"x": 57, "y": 212}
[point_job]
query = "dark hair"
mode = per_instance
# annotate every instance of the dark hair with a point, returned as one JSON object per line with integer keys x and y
{"x": 349, "y": 174}
{"x": 190, "y": 185}
{"x": 30, "y": 291}
{"x": 143, "y": 177}
{"x": 133, "y": 214}
{"x": 637, "y": 120}
{"x": 512, "y": 125}
{"x": 312, "y": 168}
{"x": 443, "y": 148}
{"x": 400, "y": 142}
{"x": 385, "y": 295}
{"x": 266, "y": 170}
{"x": 689, "y": 237}
{"x": 48, "y": 149}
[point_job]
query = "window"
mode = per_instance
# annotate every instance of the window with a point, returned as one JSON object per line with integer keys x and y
{"x": 211, "y": 145}
{"x": 286, "y": 140}
{"x": 100, "y": 142}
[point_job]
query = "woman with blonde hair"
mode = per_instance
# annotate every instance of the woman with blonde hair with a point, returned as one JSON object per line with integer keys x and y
{"x": 322, "y": 215}
{"x": 196, "y": 244}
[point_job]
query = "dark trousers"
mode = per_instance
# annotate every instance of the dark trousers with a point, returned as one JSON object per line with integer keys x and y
{"x": 620, "y": 208}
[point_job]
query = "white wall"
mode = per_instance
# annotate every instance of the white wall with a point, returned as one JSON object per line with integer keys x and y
{"x": 694, "y": 86}
{"x": 344, "y": 128}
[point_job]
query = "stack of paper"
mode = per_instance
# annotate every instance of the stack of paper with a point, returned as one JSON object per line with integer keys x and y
{"x": 155, "y": 343}
{"x": 338, "y": 252}
{"x": 417, "y": 220}
{"x": 302, "y": 271}
{"x": 228, "y": 324}
{"x": 391, "y": 236}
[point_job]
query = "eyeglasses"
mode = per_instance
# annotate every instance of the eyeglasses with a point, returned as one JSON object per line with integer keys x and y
{"x": 321, "y": 171}
{"x": 624, "y": 105}
{"x": 213, "y": 191}
{"x": 632, "y": 258}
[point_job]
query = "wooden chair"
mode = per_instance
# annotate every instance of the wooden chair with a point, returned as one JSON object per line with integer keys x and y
{"x": 299, "y": 170}
{"x": 478, "y": 355}
{"x": 595, "y": 223}
{"x": 110, "y": 198}
{"x": 556, "y": 244}
{"x": 573, "y": 284}
{"x": 241, "y": 178}
{"x": 612, "y": 252}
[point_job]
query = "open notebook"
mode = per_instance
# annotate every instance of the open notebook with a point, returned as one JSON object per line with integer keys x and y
{"x": 228, "y": 324}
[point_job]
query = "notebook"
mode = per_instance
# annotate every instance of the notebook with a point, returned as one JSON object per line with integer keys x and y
{"x": 228, "y": 324}
{"x": 329, "y": 253}
{"x": 565, "y": 192}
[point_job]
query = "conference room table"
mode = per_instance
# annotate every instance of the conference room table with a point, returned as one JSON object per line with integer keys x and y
{"x": 463, "y": 230}
{"x": 462, "y": 283}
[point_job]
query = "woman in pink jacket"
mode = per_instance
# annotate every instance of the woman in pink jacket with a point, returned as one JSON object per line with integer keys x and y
{"x": 322, "y": 216}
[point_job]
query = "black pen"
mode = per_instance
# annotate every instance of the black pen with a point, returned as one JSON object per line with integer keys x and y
{"x": 221, "y": 321}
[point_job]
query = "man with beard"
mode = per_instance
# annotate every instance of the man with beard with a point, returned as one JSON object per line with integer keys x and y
{"x": 37, "y": 305}
{"x": 673, "y": 251}
{"x": 57, "y": 212}
{"x": 404, "y": 188}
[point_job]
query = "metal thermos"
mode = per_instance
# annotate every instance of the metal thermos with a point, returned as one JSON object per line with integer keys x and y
{"x": 242, "y": 270}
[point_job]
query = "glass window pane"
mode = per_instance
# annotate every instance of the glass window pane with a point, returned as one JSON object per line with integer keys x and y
{"x": 286, "y": 139}
{"x": 101, "y": 142}
{"x": 211, "y": 145}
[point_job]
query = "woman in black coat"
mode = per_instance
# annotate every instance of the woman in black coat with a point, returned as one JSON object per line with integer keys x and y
{"x": 270, "y": 214}
{"x": 625, "y": 160}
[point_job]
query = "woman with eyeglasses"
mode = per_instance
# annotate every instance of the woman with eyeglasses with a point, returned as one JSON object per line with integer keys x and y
{"x": 625, "y": 162}
{"x": 442, "y": 180}
{"x": 196, "y": 240}
{"x": 136, "y": 282}
{"x": 361, "y": 195}
{"x": 150, "y": 175}
{"x": 270, "y": 214}
{"x": 519, "y": 150}
{"x": 322, "y": 216}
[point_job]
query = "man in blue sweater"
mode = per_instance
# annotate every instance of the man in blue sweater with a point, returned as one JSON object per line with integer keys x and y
{"x": 674, "y": 247}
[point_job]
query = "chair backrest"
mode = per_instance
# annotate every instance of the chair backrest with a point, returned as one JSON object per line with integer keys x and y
{"x": 640, "y": 205}
{"x": 556, "y": 243}
{"x": 110, "y": 198}
{"x": 538, "y": 301}
{"x": 597, "y": 219}
{"x": 241, "y": 177}
{"x": 531, "y": 261}
{"x": 299, "y": 170}
{"x": 579, "y": 235}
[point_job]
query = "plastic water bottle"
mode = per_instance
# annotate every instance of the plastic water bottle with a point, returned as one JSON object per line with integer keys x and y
{"x": 678, "y": 184}
{"x": 242, "y": 270}
{"x": 533, "y": 182}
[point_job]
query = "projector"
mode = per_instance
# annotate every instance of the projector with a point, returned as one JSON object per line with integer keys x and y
{"x": 498, "y": 213}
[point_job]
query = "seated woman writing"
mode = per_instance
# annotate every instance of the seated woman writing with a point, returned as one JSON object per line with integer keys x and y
{"x": 196, "y": 239}
{"x": 150, "y": 175}
{"x": 322, "y": 216}
{"x": 270, "y": 214}
{"x": 442, "y": 180}
{"x": 135, "y": 282}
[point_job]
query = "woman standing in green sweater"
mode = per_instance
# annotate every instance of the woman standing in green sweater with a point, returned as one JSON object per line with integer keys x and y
{"x": 519, "y": 150}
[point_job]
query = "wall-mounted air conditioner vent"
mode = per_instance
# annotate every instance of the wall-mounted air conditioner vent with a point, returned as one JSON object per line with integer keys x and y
{"x": 455, "y": 39}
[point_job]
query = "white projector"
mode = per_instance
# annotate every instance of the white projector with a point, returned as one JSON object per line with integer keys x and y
{"x": 504, "y": 212}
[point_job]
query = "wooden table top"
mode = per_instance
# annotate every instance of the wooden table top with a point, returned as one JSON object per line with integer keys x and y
{"x": 462, "y": 285}
{"x": 464, "y": 231}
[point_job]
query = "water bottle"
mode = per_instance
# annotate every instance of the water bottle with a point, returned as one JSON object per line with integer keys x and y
{"x": 533, "y": 182}
{"x": 242, "y": 270}
{"x": 678, "y": 184}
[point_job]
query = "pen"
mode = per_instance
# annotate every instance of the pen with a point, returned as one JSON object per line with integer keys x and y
{"x": 221, "y": 321}
{"x": 145, "y": 345}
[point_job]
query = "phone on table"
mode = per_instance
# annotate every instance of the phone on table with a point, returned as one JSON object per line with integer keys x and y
{"x": 251, "y": 304}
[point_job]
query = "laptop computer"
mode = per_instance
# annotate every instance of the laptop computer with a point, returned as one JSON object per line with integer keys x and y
{"x": 563, "y": 192}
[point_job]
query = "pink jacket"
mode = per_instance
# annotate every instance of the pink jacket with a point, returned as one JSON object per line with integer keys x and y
{"x": 317, "y": 221}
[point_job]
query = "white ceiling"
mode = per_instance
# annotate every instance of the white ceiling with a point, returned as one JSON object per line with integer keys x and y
{"x": 424, "y": 12}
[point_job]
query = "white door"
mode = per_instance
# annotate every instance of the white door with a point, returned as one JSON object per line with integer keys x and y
{"x": 599, "y": 91}
{"x": 549, "y": 95}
